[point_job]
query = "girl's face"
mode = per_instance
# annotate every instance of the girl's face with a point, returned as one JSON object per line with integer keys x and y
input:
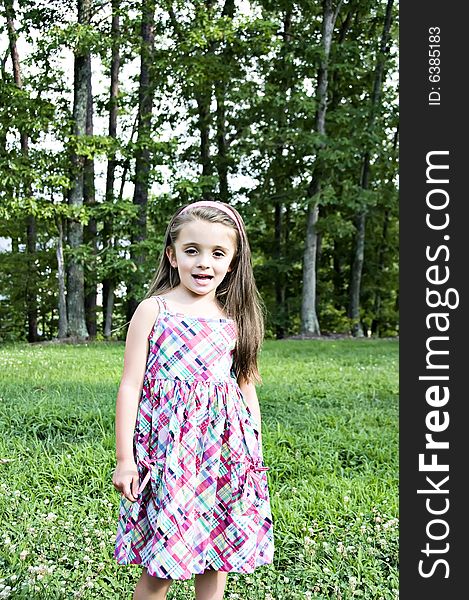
{"x": 203, "y": 253}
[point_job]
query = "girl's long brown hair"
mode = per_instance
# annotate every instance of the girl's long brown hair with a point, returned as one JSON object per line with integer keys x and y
{"x": 237, "y": 294}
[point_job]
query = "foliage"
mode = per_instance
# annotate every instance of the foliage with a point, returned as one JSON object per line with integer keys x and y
{"x": 234, "y": 119}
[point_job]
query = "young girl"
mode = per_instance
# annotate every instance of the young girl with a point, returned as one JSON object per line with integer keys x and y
{"x": 188, "y": 427}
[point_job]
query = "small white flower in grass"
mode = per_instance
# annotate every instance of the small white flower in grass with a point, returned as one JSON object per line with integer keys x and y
{"x": 17, "y": 493}
{"x": 390, "y": 523}
{"x": 51, "y": 517}
{"x": 363, "y": 528}
{"x": 286, "y": 579}
{"x": 308, "y": 594}
{"x": 24, "y": 554}
{"x": 346, "y": 499}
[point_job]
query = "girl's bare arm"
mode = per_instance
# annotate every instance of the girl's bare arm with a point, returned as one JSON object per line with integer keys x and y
{"x": 248, "y": 390}
{"x": 125, "y": 476}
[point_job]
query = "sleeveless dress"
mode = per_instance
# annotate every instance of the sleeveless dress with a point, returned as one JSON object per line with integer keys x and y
{"x": 203, "y": 499}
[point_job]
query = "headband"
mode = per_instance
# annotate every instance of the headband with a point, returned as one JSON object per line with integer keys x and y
{"x": 223, "y": 207}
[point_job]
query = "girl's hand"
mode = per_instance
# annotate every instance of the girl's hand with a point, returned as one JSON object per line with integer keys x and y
{"x": 125, "y": 479}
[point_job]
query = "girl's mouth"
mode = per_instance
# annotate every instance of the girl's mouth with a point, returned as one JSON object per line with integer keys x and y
{"x": 203, "y": 277}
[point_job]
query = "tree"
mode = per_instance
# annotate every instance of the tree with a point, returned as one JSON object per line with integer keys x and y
{"x": 357, "y": 266}
{"x": 142, "y": 154}
{"x": 31, "y": 235}
{"x": 309, "y": 320}
{"x": 108, "y": 281}
{"x": 75, "y": 281}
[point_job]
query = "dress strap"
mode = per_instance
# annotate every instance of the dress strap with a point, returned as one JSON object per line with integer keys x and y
{"x": 161, "y": 301}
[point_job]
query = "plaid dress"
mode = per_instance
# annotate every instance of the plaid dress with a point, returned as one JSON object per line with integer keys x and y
{"x": 203, "y": 499}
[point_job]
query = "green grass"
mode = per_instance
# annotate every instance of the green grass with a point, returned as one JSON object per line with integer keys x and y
{"x": 330, "y": 436}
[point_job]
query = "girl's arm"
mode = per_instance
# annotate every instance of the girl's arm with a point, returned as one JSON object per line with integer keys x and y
{"x": 248, "y": 390}
{"x": 125, "y": 478}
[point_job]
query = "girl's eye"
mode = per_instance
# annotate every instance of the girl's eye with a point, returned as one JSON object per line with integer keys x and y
{"x": 190, "y": 250}
{"x": 219, "y": 254}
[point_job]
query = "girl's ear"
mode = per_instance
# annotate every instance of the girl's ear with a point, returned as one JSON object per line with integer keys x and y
{"x": 171, "y": 256}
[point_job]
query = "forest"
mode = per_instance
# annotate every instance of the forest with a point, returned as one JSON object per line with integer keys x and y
{"x": 115, "y": 113}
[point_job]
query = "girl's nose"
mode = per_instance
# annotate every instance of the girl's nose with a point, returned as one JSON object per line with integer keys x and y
{"x": 203, "y": 261}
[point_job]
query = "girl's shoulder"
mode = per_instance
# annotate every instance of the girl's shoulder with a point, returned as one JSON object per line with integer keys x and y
{"x": 146, "y": 313}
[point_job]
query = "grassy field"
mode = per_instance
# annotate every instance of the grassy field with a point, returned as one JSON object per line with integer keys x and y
{"x": 330, "y": 436}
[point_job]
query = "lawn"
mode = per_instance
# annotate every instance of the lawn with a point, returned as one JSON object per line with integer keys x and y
{"x": 330, "y": 437}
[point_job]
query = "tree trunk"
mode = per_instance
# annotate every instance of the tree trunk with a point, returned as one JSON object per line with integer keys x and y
{"x": 109, "y": 309}
{"x": 32, "y": 280}
{"x": 281, "y": 182}
{"x": 31, "y": 232}
{"x": 376, "y": 326}
{"x": 356, "y": 273}
{"x": 90, "y": 230}
{"x": 280, "y": 277}
{"x": 309, "y": 320}
{"x": 75, "y": 282}
{"x": 142, "y": 155}
{"x": 357, "y": 265}
{"x": 220, "y": 95}
{"x": 222, "y": 162}
{"x": 63, "y": 325}
{"x": 203, "y": 106}
{"x": 376, "y": 323}
{"x": 108, "y": 284}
